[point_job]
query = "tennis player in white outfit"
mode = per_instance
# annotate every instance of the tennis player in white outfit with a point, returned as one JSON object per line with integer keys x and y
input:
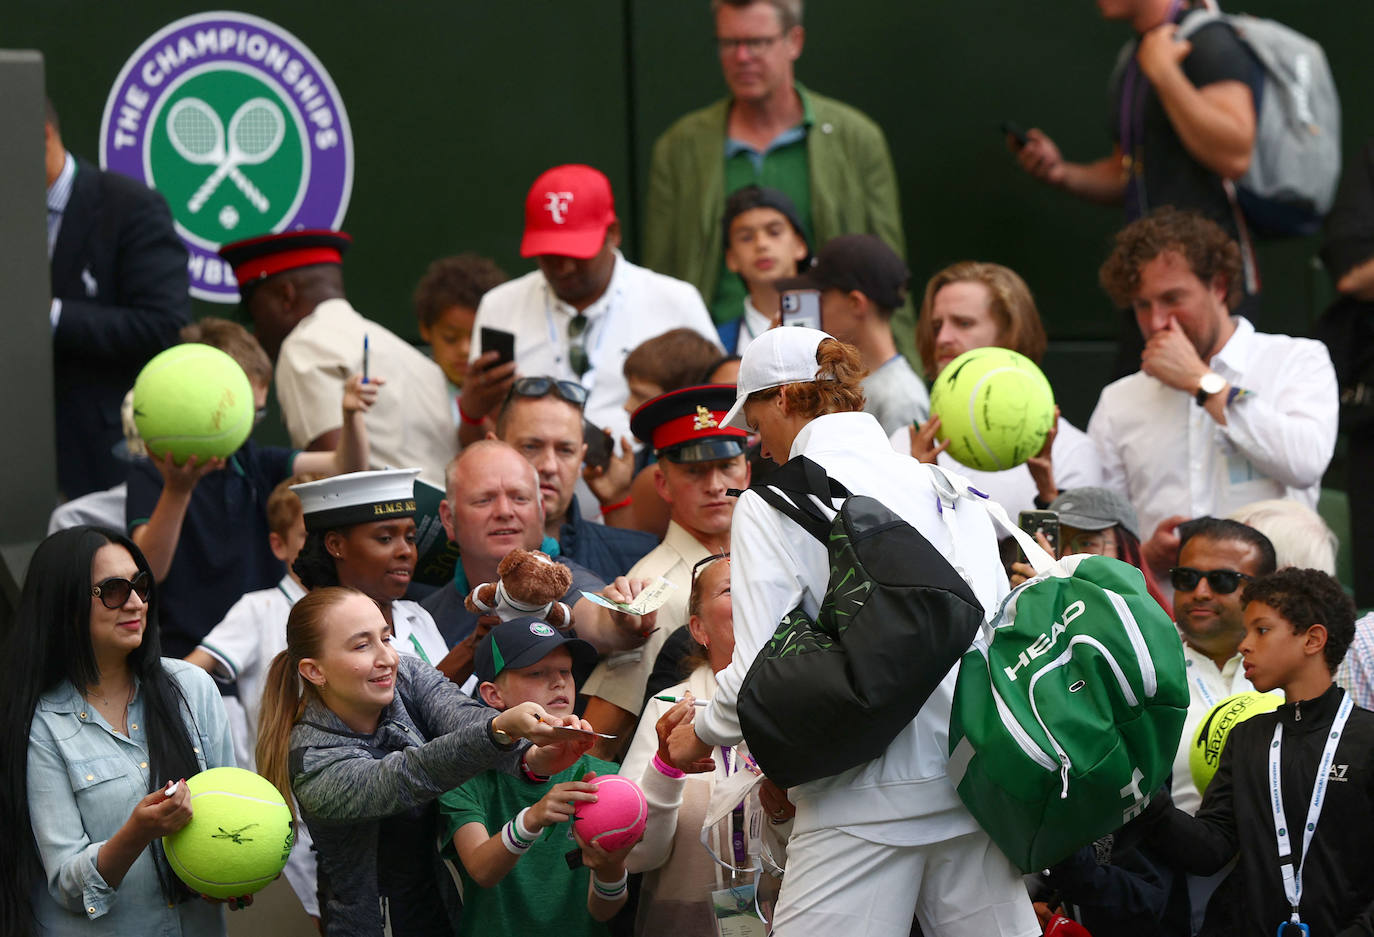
{"x": 889, "y": 840}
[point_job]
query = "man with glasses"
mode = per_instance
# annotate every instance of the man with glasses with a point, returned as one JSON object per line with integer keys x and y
{"x": 830, "y": 159}
{"x": 542, "y": 419}
{"x": 1217, "y": 559}
{"x": 699, "y": 461}
{"x": 585, "y": 308}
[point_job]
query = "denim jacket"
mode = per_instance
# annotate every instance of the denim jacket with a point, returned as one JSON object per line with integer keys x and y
{"x": 84, "y": 780}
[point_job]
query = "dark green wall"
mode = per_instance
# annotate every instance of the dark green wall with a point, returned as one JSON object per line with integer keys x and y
{"x": 456, "y": 106}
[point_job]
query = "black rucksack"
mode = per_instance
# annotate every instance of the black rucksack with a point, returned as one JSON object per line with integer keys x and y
{"x": 825, "y": 695}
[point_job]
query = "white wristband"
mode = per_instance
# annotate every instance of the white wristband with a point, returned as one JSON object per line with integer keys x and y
{"x": 609, "y": 891}
{"x": 525, "y": 832}
{"x": 515, "y": 837}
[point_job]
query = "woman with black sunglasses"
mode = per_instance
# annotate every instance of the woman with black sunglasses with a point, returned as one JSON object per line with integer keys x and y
{"x": 94, "y": 724}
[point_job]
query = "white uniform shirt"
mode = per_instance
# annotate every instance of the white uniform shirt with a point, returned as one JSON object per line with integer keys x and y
{"x": 637, "y": 305}
{"x": 1207, "y": 686}
{"x": 416, "y": 633}
{"x": 409, "y": 425}
{"x": 1168, "y": 456}
{"x": 904, "y": 797}
{"x": 243, "y": 644}
{"x": 620, "y": 678}
{"x": 1076, "y": 465}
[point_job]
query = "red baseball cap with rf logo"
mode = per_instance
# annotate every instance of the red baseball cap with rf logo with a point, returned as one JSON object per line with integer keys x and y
{"x": 567, "y": 212}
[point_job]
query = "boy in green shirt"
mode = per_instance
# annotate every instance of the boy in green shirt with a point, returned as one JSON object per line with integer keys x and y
{"x": 505, "y": 832}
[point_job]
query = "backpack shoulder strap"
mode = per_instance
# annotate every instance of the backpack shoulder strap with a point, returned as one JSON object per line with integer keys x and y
{"x": 951, "y": 488}
{"x": 791, "y": 490}
{"x": 1195, "y": 19}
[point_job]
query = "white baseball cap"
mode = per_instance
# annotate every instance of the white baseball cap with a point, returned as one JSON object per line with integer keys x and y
{"x": 785, "y": 355}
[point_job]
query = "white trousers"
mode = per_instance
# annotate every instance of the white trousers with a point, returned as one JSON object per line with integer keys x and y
{"x": 838, "y": 885}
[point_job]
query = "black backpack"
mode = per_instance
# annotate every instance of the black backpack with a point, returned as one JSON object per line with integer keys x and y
{"x": 826, "y": 695}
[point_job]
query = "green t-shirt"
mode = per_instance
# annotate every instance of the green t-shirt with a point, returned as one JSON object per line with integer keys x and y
{"x": 783, "y": 165}
{"x": 540, "y": 896}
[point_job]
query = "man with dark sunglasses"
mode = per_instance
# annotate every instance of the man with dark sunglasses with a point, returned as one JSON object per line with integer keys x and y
{"x": 542, "y": 419}
{"x": 1217, "y": 559}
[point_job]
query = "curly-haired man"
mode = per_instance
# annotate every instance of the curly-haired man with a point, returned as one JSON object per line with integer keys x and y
{"x": 1219, "y": 414}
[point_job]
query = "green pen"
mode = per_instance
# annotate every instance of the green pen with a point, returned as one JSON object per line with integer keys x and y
{"x": 678, "y": 699}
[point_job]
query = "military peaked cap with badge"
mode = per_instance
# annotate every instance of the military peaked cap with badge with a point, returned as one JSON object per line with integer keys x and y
{"x": 687, "y": 425}
{"x": 261, "y": 257}
{"x": 358, "y": 498}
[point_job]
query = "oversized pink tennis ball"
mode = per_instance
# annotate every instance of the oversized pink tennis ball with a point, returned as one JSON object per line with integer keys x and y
{"x": 617, "y": 818}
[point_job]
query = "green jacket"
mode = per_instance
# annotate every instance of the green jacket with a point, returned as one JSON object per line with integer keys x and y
{"x": 853, "y": 190}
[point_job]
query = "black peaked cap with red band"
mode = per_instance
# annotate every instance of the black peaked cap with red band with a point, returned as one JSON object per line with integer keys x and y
{"x": 261, "y": 257}
{"x": 685, "y": 425}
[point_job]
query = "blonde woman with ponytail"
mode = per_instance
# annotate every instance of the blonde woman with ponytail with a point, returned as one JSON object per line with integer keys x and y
{"x": 887, "y": 841}
{"x": 366, "y": 740}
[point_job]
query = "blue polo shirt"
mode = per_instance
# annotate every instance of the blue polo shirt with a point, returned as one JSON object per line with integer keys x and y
{"x": 223, "y": 550}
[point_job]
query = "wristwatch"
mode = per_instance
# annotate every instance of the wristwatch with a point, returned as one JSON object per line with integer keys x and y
{"x": 1211, "y": 383}
{"x": 499, "y": 737}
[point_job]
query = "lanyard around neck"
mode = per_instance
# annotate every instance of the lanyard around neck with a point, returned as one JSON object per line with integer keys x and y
{"x": 1291, "y": 864}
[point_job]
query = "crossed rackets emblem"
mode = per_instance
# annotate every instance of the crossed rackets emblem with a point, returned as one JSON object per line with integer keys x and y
{"x": 256, "y": 131}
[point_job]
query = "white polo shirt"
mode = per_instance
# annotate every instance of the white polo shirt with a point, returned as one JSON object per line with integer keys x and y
{"x": 636, "y": 306}
{"x": 1168, "y": 456}
{"x": 1207, "y": 686}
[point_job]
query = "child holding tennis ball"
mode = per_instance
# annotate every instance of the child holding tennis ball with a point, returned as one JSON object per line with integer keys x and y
{"x": 204, "y": 530}
{"x": 1294, "y": 793}
{"x": 510, "y": 837}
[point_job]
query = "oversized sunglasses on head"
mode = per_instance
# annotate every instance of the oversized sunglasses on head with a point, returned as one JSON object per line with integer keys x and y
{"x": 1221, "y": 581}
{"x": 705, "y": 561}
{"x": 571, "y": 391}
{"x": 114, "y": 592}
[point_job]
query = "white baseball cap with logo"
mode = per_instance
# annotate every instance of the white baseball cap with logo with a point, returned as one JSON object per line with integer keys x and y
{"x": 785, "y": 355}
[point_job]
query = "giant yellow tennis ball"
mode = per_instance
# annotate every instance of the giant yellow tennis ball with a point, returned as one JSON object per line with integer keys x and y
{"x": 995, "y": 408}
{"x": 1212, "y": 731}
{"x": 193, "y": 400}
{"x": 239, "y": 837}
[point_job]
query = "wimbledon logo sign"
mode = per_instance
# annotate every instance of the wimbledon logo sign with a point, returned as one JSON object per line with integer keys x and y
{"x": 239, "y": 127}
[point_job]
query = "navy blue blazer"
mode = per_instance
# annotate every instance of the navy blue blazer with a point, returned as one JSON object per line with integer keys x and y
{"x": 120, "y": 270}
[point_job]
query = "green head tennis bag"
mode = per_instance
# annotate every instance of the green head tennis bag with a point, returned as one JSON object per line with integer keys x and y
{"x": 1068, "y": 707}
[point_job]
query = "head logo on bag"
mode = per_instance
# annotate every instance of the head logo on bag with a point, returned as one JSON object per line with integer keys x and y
{"x": 1059, "y": 736}
{"x": 1046, "y": 642}
{"x": 240, "y": 128}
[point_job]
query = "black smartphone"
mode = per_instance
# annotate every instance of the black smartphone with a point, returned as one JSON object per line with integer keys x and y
{"x": 1011, "y": 128}
{"x": 499, "y": 341}
{"x": 599, "y": 445}
{"x": 801, "y": 307}
{"x": 1041, "y": 522}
